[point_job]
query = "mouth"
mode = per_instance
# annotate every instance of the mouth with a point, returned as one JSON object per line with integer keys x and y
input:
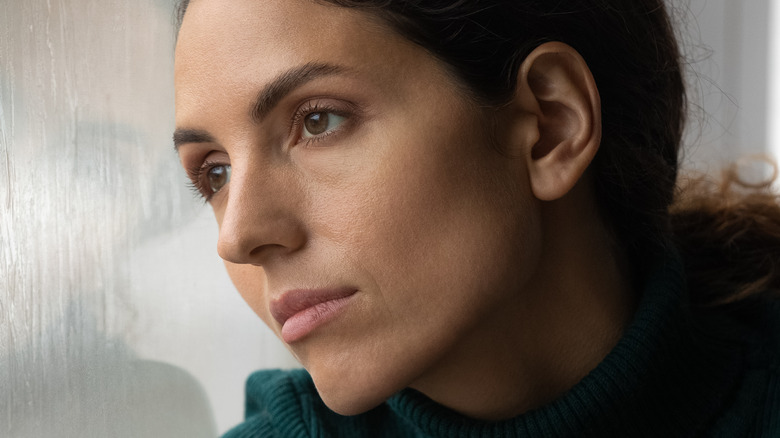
{"x": 301, "y": 311}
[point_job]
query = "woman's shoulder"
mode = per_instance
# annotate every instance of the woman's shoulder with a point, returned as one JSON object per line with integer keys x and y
{"x": 760, "y": 319}
{"x": 755, "y": 406}
{"x": 769, "y": 418}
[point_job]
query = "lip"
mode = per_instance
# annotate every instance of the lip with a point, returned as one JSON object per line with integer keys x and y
{"x": 301, "y": 311}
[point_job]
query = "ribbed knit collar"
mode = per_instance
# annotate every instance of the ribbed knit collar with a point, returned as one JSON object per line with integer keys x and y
{"x": 665, "y": 377}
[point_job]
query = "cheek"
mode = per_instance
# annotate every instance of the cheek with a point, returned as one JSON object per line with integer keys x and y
{"x": 438, "y": 220}
{"x": 441, "y": 240}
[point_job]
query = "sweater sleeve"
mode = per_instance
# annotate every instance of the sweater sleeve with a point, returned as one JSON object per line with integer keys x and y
{"x": 755, "y": 410}
{"x": 768, "y": 422}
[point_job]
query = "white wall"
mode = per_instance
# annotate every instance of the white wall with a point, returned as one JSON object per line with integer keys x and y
{"x": 726, "y": 43}
{"x": 773, "y": 83}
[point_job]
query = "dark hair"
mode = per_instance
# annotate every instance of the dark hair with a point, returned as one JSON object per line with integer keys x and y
{"x": 633, "y": 54}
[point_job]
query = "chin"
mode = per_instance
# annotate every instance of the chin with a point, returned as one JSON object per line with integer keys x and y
{"x": 349, "y": 406}
{"x": 347, "y": 395}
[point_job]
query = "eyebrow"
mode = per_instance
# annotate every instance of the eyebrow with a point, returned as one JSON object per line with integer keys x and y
{"x": 285, "y": 83}
{"x": 267, "y": 98}
{"x": 184, "y": 136}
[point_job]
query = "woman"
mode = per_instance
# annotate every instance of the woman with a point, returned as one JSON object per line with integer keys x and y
{"x": 456, "y": 216}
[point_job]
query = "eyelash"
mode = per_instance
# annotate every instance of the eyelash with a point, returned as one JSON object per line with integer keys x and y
{"x": 197, "y": 173}
{"x": 316, "y": 107}
{"x": 196, "y": 184}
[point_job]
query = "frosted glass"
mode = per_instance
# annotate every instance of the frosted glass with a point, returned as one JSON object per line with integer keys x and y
{"x": 116, "y": 316}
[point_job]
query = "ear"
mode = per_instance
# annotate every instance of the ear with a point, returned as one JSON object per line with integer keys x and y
{"x": 555, "y": 87}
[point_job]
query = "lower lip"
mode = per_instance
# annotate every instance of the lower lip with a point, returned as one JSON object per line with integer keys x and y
{"x": 306, "y": 321}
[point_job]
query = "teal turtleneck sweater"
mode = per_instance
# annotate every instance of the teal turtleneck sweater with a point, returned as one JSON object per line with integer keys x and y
{"x": 674, "y": 373}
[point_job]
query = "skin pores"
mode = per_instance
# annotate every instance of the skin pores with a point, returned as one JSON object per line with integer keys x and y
{"x": 402, "y": 198}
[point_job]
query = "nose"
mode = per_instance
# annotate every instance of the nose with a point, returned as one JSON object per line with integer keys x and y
{"x": 261, "y": 219}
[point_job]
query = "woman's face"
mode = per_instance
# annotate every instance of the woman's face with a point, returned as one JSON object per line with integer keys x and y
{"x": 345, "y": 165}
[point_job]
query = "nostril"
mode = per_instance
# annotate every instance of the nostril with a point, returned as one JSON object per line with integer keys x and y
{"x": 259, "y": 254}
{"x": 260, "y": 250}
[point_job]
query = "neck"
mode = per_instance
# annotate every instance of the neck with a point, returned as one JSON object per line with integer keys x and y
{"x": 568, "y": 317}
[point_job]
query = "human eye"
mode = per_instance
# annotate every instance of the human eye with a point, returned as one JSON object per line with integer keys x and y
{"x": 209, "y": 178}
{"x": 317, "y": 121}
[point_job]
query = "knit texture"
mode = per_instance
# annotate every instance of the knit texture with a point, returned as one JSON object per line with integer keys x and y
{"x": 675, "y": 372}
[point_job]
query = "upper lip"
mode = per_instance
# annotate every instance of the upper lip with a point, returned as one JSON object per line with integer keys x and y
{"x": 297, "y": 300}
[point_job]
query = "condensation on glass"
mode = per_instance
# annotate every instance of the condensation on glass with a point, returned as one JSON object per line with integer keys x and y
{"x": 116, "y": 318}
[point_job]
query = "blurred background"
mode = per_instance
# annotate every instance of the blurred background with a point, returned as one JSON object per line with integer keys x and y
{"x": 116, "y": 316}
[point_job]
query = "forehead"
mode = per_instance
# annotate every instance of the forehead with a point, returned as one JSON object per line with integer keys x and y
{"x": 240, "y": 45}
{"x": 210, "y": 24}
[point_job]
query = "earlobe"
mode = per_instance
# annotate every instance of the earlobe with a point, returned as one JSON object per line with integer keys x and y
{"x": 556, "y": 86}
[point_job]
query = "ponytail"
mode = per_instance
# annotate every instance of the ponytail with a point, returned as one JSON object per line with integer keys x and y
{"x": 728, "y": 233}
